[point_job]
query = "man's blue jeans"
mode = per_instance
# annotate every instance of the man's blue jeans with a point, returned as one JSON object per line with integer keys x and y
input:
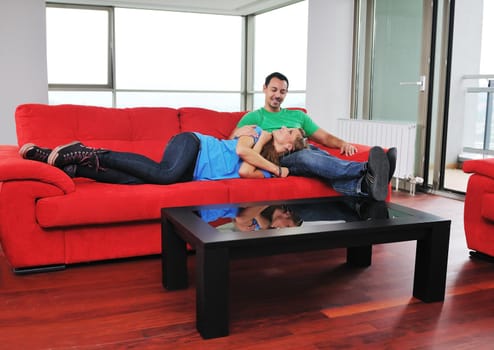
{"x": 176, "y": 165}
{"x": 343, "y": 175}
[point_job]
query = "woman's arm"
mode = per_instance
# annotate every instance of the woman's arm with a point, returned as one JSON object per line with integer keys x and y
{"x": 248, "y": 171}
{"x": 244, "y": 220}
{"x": 252, "y": 159}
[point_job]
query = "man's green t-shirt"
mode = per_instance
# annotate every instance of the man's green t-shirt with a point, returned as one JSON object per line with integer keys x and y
{"x": 269, "y": 121}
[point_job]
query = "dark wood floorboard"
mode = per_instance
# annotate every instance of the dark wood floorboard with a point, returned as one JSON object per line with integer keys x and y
{"x": 294, "y": 301}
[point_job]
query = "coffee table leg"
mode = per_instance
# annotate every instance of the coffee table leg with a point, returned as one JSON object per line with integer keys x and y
{"x": 359, "y": 256}
{"x": 173, "y": 258}
{"x": 431, "y": 262}
{"x": 212, "y": 299}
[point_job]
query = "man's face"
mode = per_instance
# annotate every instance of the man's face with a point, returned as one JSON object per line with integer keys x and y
{"x": 275, "y": 93}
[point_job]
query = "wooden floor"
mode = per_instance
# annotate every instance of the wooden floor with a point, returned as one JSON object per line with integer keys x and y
{"x": 296, "y": 301}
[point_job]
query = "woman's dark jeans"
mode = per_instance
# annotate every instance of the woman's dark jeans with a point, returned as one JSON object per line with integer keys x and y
{"x": 177, "y": 164}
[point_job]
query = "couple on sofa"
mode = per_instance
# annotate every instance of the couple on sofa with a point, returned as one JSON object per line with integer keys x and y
{"x": 269, "y": 141}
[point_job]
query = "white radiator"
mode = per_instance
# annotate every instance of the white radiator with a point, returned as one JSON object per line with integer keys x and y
{"x": 385, "y": 134}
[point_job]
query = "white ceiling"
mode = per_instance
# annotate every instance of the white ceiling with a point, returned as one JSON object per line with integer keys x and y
{"x": 224, "y": 7}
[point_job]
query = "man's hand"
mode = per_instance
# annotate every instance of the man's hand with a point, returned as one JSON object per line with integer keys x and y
{"x": 348, "y": 149}
{"x": 246, "y": 130}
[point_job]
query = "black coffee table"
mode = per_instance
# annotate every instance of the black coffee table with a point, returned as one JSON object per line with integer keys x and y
{"x": 322, "y": 223}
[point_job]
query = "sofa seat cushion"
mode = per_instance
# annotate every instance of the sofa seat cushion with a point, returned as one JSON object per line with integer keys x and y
{"x": 292, "y": 187}
{"x": 100, "y": 203}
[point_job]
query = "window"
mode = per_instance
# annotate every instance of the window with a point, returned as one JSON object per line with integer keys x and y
{"x": 81, "y": 97}
{"x": 77, "y": 52}
{"x": 281, "y": 46}
{"x": 136, "y": 57}
{"x": 184, "y": 57}
{"x": 78, "y": 55}
{"x": 212, "y": 100}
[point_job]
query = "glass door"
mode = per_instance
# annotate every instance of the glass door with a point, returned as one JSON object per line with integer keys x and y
{"x": 398, "y": 78}
{"x": 392, "y": 64}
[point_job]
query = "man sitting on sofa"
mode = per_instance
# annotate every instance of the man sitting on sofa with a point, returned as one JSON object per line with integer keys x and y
{"x": 370, "y": 178}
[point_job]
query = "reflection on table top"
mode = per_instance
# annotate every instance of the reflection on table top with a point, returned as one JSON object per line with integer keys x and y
{"x": 261, "y": 217}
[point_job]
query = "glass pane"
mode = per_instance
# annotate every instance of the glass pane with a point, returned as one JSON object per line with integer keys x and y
{"x": 88, "y": 98}
{"x": 177, "y": 51}
{"x": 77, "y": 52}
{"x": 397, "y": 57}
{"x": 227, "y": 102}
{"x": 281, "y": 45}
{"x": 473, "y": 134}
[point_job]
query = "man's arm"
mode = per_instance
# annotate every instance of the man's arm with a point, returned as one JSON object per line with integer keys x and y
{"x": 324, "y": 138}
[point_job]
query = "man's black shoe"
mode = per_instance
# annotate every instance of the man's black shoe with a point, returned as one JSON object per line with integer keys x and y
{"x": 392, "y": 155}
{"x": 369, "y": 209}
{"x": 376, "y": 178}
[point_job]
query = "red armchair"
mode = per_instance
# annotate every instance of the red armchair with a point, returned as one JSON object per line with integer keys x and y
{"x": 479, "y": 207}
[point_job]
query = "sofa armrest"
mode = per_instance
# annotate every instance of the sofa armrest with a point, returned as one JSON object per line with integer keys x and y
{"x": 480, "y": 166}
{"x": 13, "y": 167}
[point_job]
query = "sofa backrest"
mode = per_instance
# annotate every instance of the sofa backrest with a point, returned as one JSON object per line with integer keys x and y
{"x": 144, "y": 130}
{"x": 209, "y": 122}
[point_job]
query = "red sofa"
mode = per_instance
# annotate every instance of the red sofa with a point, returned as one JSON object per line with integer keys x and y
{"x": 479, "y": 206}
{"x": 48, "y": 220}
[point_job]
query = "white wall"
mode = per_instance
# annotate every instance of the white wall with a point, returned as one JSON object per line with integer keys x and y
{"x": 23, "y": 76}
{"x": 329, "y": 61}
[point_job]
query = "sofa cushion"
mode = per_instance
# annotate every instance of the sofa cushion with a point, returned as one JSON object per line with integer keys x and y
{"x": 209, "y": 122}
{"x": 291, "y": 187}
{"x": 100, "y": 203}
{"x": 120, "y": 129}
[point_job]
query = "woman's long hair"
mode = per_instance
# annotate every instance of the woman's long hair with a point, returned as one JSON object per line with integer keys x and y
{"x": 269, "y": 152}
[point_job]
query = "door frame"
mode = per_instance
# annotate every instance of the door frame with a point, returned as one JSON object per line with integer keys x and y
{"x": 442, "y": 135}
